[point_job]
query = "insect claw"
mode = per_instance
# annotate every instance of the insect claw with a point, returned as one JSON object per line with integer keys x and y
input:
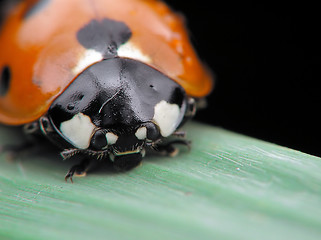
{"x": 69, "y": 176}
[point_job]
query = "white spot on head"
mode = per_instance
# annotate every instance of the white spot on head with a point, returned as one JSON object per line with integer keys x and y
{"x": 88, "y": 58}
{"x": 111, "y": 138}
{"x": 129, "y": 50}
{"x": 141, "y": 133}
{"x": 166, "y": 116}
{"x": 78, "y": 130}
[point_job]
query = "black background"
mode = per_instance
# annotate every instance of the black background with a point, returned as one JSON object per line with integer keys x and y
{"x": 266, "y": 60}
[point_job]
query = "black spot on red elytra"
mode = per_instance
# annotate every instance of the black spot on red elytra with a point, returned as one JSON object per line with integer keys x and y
{"x": 5, "y": 79}
{"x": 104, "y": 36}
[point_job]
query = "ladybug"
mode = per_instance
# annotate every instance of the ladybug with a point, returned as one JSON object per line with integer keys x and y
{"x": 101, "y": 79}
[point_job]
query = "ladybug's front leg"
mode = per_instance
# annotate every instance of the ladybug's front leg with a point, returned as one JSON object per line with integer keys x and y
{"x": 33, "y": 140}
{"x": 78, "y": 169}
{"x": 13, "y": 151}
{"x": 169, "y": 149}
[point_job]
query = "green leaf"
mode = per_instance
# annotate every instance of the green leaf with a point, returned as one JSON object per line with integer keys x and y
{"x": 228, "y": 186}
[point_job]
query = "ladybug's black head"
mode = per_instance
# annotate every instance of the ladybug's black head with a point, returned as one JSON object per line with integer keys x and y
{"x": 118, "y": 106}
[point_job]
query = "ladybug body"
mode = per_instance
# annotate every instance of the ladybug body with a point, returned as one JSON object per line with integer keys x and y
{"x": 102, "y": 79}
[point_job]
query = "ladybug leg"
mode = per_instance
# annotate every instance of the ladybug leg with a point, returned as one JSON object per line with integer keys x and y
{"x": 12, "y": 151}
{"x": 16, "y": 148}
{"x": 34, "y": 140}
{"x": 169, "y": 149}
{"x": 180, "y": 134}
{"x": 78, "y": 170}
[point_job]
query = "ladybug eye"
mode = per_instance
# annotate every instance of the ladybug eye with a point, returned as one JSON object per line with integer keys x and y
{"x": 5, "y": 78}
{"x": 153, "y": 132}
{"x": 99, "y": 141}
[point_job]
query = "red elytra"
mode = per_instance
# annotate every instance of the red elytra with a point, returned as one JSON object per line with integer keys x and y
{"x": 41, "y": 50}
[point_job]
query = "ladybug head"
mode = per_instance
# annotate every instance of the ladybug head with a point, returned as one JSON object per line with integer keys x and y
{"x": 118, "y": 106}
